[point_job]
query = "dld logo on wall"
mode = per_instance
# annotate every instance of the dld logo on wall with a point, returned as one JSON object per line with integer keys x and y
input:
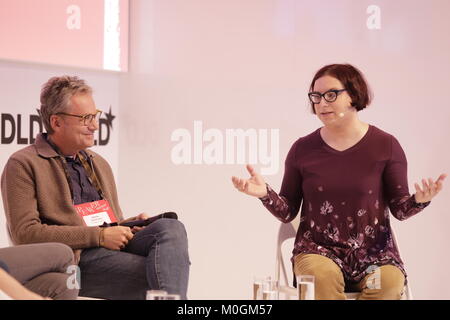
{"x": 23, "y": 128}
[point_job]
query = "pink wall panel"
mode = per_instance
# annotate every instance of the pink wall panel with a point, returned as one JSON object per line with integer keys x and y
{"x": 61, "y": 32}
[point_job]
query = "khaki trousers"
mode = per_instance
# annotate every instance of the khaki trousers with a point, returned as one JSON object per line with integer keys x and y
{"x": 385, "y": 283}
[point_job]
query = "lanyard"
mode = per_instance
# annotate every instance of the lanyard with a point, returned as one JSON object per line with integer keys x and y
{"x": 86, "y": 162}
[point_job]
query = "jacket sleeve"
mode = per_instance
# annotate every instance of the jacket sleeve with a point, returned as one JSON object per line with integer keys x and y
{"x": 395, "y": 182}
{"x": 25, "y": 223}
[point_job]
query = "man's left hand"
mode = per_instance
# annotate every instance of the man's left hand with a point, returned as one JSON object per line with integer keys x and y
{"x": 141, "y": 216}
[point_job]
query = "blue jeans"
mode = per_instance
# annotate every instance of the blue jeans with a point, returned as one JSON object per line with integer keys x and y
{"x": 155, "y": 259}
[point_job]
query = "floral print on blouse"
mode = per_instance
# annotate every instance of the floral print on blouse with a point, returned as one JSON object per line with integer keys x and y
{"x": 345, "y": 198}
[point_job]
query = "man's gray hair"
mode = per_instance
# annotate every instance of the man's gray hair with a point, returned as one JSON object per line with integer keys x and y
{"x": 56, "y": 94}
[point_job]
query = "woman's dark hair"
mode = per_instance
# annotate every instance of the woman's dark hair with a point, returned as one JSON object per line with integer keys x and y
{"x": 352, "y": 79}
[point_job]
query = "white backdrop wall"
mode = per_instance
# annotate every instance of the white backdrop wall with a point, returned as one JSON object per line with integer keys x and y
{"x": 247, "y": 65}
{"x": 201, "y": 68}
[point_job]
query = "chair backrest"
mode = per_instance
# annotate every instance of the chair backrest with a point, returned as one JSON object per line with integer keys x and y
{"x": 407, "y": 294}
{"x": 283, "y": 272}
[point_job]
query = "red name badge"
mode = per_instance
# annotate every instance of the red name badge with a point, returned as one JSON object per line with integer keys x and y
{"x": 96, "y": 213}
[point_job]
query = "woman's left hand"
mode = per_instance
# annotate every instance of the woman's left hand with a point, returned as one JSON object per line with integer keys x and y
{"x": 429, "y": 189}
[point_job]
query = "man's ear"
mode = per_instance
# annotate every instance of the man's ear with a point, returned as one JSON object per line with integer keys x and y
{"x": 55, "y": 122}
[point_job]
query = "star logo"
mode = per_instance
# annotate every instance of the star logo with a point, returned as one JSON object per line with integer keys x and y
{"x": 109, "y": 118}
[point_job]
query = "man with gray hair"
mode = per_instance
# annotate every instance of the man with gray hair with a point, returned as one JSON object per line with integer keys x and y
{"x": 57, "y": 190}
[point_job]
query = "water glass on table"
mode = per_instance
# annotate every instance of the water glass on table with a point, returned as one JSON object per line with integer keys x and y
{"x": 156, "y": 295}
{"x": 270, "y": 290}
{"x": 305, "y": 287}
{"x": 258, "y": 287}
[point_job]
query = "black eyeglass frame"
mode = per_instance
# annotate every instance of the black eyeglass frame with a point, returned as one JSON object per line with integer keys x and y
{"x": 322, "y": 95}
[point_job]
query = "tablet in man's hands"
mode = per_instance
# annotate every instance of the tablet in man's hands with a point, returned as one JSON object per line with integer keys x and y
{"x": 146, "y": 222}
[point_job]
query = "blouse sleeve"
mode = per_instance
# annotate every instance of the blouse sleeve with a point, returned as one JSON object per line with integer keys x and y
{"x": 285, "y": 206}
{"x": 395, "y": 181}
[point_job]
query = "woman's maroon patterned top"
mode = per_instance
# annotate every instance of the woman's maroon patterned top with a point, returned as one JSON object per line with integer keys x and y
{"x": 346, "y": 197}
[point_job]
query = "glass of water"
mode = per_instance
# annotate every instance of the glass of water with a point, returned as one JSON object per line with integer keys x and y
{"x": 270, "y": 290}
{"x": 172, "y": 297}
{"x": 258, "y": 287}
{"x": 305, "y": 287}
{"x": 156, "y": 295}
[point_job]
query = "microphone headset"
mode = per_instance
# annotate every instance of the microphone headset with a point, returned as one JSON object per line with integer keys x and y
{"x": 342, "y": 114}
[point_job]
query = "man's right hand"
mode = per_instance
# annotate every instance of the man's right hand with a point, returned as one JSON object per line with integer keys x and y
{"x": 116, "y": 238}
{"x": 255, "y": 186}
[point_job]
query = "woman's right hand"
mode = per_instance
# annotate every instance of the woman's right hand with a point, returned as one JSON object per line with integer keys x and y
{"x": 255, "y": 186}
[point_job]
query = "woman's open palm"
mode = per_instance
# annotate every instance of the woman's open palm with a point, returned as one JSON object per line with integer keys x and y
{"x": 255, "y": 186}
{"x": 429, "y": 189}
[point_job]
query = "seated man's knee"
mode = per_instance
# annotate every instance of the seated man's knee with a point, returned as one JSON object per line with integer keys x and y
{"x": 171, "y": 229}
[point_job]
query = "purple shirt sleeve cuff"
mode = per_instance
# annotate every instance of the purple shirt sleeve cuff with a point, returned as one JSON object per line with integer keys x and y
{"x": 266, "y": 198}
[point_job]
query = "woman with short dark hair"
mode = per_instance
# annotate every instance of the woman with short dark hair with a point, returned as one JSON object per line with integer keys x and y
{"x": 346, "y": 176}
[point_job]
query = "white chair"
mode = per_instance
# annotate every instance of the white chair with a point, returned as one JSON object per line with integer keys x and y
{"x": 288, "y": 231}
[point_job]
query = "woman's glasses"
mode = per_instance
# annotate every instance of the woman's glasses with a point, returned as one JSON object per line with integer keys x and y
{"x": 329, "y": 96}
